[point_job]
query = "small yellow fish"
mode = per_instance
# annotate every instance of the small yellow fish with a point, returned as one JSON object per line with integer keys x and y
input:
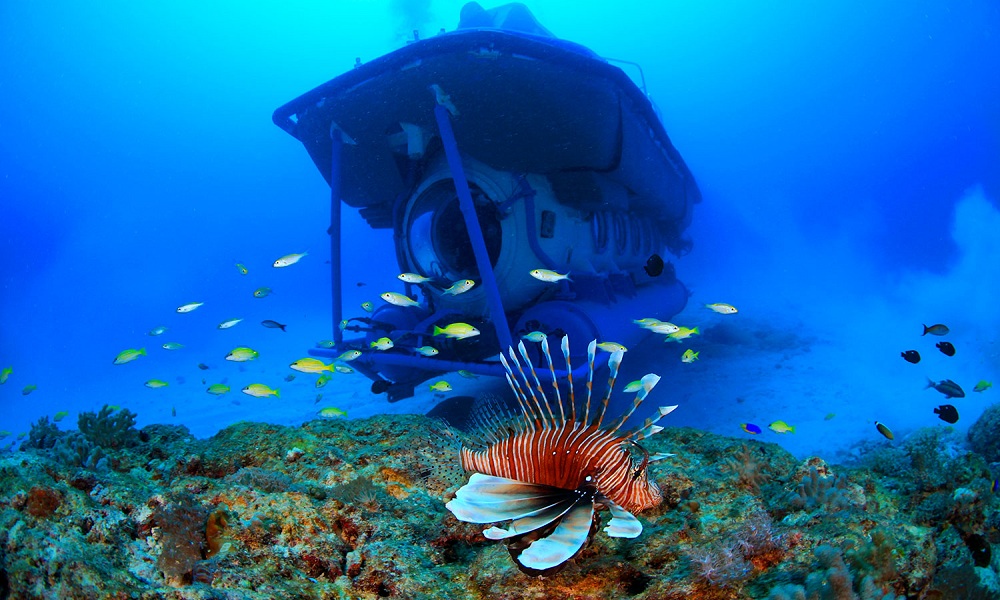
{"x": 722, "y": 308}
{"x": 5, "y": 374}
{"x": 829, "y": 416}
{"x": 311, "y": 365}
{"x": 129, "y": 355}
{"x": 325, "y": 344}
{"x": 662, "y": 327}
{"x": 288, "y": 259}
{"x": 217, "y": 389}
{"x": 399, "y": 299}
{"x": 682, "y": 333}
{"x": 548, "y": 276}
{"x": 460, "y": 287}
{"x": 534, "y": 336}
{"x": 646, "y": 321}
{"x": 441, "y": 386}
{"x": 343, "y": 369}
{"x": 612, "y": 347}
{"x": 228, "y": 324}
{"x": 343, "y": 327}
{"x": 884, "y": 430}
{"x": 243, "y": 270}
{"x": 426, "y": 350}
{"x": 28, "y": 389}
{"x": 982, "y": 386}
{"x": 156, "y": 383}
{"x": 242, "y": 354}
{"x": 261, "y": 292}
{"x": 413, "y": 278}
{"x": 457, "y": 331}
{"x": 633, "y": 386}
{"x": 172, "y": 346}
{"x": 468, "y": 374}
{"x": 383, "y": 343}
{"x": 260, "y": 390}
{"x": 157, "y": 330}
{"x": 349, "y": 355}
{"x": 113, "y": 407}
{"x": 323, "y": 379}
{"x": 689, "y": 356}
{"x": 781, "y": 427}
{"x": 189, "y": 307}
{"x": 331, "y": 412}
{"x": 367, "y": 306}
{"x": 59, "y": 416}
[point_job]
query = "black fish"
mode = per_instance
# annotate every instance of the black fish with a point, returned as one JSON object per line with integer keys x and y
{"x": 947, "y": 413}
{"x": 947, "y": 387}
{"x": 380, "y": 385}
{"x": 203, "y": 366}
{"x": 938, "y": 329}
{"x": 911, "y": 356}
{"x": 980, "y": 549}
{"x": 273, "y": 324}
{"x": 946, "y": 348}
{"x": 654, "y": 266}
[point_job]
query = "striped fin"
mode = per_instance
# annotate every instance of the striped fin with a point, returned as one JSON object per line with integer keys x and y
{"x": 622, "y": 523}
{"x": 648, "y": 382}
{"x": 488, "y": 499}
{"x": 591, "y": 351}
{"x": 522, "y": 398}
{"x": 613, "y": 364}
{"x": 555, "y": 382}
{"x": 562, "y": 544}
{"x": 564, "y": 346}
{"x": 540, "y": 414}
{"x": 650, "y": 427}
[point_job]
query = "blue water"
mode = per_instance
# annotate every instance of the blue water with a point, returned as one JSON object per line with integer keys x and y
{"x": 848, "y": 156}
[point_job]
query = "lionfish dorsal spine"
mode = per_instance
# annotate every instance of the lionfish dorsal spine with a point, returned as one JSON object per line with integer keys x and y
{"x": 564, "y": 346}
{"x": 591, "y": 352}
{"x": 540, "y": 414}
{"x": 522, "y": 399}
{"x": 538, "y": 383}
{"x": 613, "y": 363}
{"x": 555, "y": 382}
{"x": 650, "y": 427}
{"x": 647, "y": 383}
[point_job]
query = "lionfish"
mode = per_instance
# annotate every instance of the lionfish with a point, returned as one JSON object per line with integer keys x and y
{"x": 551, "y": 471}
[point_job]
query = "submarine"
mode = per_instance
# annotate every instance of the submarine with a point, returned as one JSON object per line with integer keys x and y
{"x": 493, "y": 152}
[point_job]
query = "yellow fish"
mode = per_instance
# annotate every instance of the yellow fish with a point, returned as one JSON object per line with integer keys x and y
{"x": 243, "y": 270}
{"x": 5, "y": 374}
{"x": 722, "y": 308}
{"x": 682, "y": 333}
{"x": 612, "y": 347}
{"x": 548, "y": 276}
{"x": 242, "y": 354}
{"x": 229, "y": 323}
{"x": 129, "y": 355}
{"x": 59, "y": 416}
{"x": 689, "y": 356}
{"x": 331, "y": 412}
{"x": 156, "y": 383}
{"x": 884, "y": 430}
{"x": 457, "y": 331}
{"x": 367, "y": 306}
{"x": 260, "y": 390}
{"x": 288, "y": 259}
{"x": 343, "y": 327}
{"x": 534, "y": 336}
{"x": 662, "y": 327}
{"x": 468, "y": 374}
{"x": 349, "y": 355}
{"x": 325, "y": 344}
{"x": 189, "y": 307}
{"x": 460, "y": 287}
{"x": 343, "y": 369}
{"x": 781, "y": 427}
{"x": 383, "y": 343}
{"x": 217, "y": 389}
{"x": 633, "y": 386}
{"x": 28, "y": 389}
{"x": 426, "y": 350}
{"x": 399, "y": 299}
{"x": 413, "y": 278}
{"x": 982, "y": 386}
{"x": 311, "y": 365}
{"x": 441, "y": 386}
{"x": 261, "y": 292}
{"x": 172, "y": 346}
{"x": 157, "y": 330}
{"x": 323, "y": 379}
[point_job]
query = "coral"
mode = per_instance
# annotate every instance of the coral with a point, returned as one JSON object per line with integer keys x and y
{"x": 832, "y": 581}
{"x": 357, "y": 492}
{"x": 264, "y": 480}
{"x": 75, "y": 449}
{"x": 109, "y": 428}
{"x": 749, "y": 468}
{"x": 181, "y": 524}
{"x": 43, "y": 434}
{"x": 984, "y": 435}
{"x": 42, "y": 502}
{"x": 720, "y": 566}
{"x": 215, "y": 528}
{"x": 827, "y": 492}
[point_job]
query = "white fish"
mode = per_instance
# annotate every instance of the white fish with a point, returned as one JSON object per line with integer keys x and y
{"x": 189, "y": 307}
{"x": 229, "y": 323}
{"x": 289, "y": 259}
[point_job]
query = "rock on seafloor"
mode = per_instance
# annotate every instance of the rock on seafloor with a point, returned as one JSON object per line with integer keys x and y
{"x": 356, "y": 509}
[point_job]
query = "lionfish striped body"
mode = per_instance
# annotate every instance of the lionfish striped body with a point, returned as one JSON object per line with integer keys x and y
{"x": 550, "y": 471}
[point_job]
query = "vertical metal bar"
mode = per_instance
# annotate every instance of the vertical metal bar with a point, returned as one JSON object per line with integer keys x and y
{"x": 336, "y": 283}
{"x": 472, "y": 226}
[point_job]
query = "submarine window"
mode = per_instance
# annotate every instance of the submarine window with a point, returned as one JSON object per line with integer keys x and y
{"x": 438, "y": 240}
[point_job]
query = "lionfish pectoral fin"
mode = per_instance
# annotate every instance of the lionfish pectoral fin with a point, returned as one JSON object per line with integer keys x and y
{"x": 622, "y": 523}
{"x": 561, "y": 503}
{"x": 489, "y": 499}
{"x": 568, "y": 538}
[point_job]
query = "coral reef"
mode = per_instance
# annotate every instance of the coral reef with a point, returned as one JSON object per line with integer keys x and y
{"x": 359, "y": 513}
{"x": 984, "y": 435}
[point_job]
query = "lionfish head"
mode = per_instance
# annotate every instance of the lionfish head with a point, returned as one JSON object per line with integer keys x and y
{"x": 550, "y": 471}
